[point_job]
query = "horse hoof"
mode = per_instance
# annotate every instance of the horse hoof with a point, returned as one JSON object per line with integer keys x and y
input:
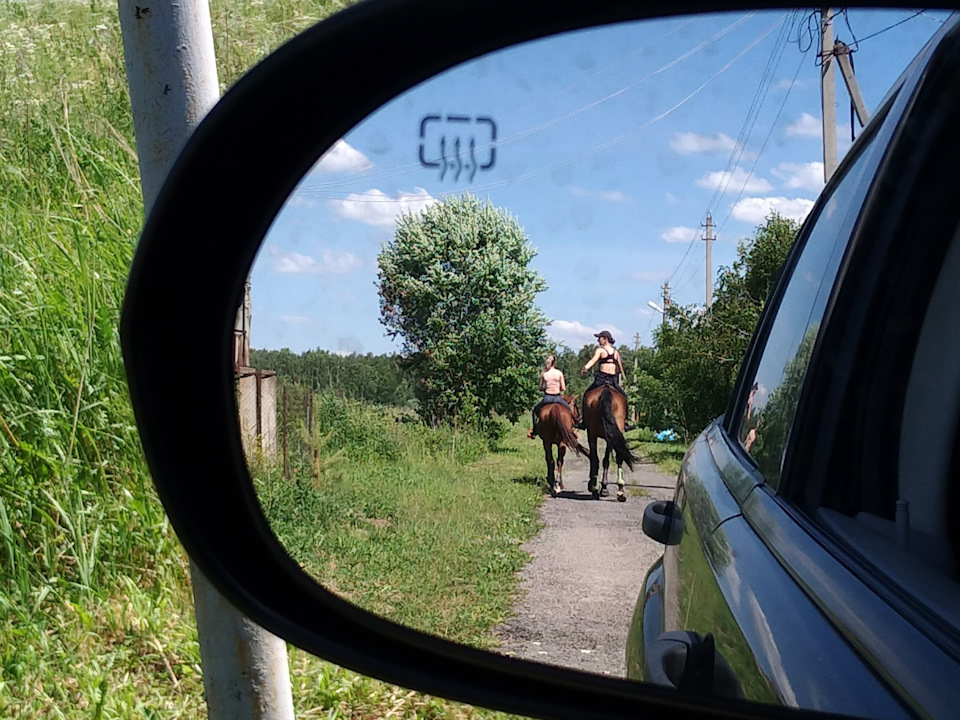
{"x": 596, "y": 494}
{"x": 621, "y": 496}
{"x": 604, "y": 492}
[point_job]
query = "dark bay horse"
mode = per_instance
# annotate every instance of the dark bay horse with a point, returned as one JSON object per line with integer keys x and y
{"x": 557, "y": 426}
{"x": 605, "y": 416}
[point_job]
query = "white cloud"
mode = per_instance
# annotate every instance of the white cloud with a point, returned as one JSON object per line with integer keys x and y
{"x": 671, "y": 198}
{"x": 298, "y": 199}
{"x": 611, "y": 195}
{"x": 802, "y": 176}
{"x": 679, "y": 234}
{"x": 735, "y": 180}
{"x": 654, "y": 276}
{"x": 336, "y": 262}
{"x": 805, "y": 126}
{"x": 756, "y": 210}
{"x": 575, "y": 334}
{"x": 787, "y": 84}
{"x": 687, "y": 143}
{"x": 342, "y": 158}
{"x": 375, "y": 207}
{"x": 349, "y": 345}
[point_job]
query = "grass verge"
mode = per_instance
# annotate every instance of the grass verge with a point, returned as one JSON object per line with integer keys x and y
{"x": 412, "y": 523}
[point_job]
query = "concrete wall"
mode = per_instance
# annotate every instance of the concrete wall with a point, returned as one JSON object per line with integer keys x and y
{"x": 257, "y": 406}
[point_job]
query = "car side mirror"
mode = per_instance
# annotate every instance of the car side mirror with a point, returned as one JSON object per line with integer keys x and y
{"x": 187, "y": 281}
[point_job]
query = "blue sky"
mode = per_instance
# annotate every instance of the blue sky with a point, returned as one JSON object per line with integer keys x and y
{"x": 611, "y": 147}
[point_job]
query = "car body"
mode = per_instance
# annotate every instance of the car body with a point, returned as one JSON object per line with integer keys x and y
{"x": 811, "y": 551}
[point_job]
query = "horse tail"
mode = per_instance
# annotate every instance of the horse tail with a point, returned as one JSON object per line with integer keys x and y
{"x": 571, "y": 439}
{"x": 611, "y": 431}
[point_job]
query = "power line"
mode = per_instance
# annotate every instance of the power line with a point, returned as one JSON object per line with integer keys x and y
{"x": 773, "y": 125}
{"x": 394, "y": 171}
{"x": 681, "y": 58}
{"x": 620, "y": 138}
{"x": 737, "y": 151}
{"x": 753, "y": 112}
{"x": 891, "y": 27}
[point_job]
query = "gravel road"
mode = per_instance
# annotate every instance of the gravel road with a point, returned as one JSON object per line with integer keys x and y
{"x": 578, "y": 593}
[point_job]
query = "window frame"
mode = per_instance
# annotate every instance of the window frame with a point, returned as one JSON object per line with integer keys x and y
{"x": 736, "y": 409}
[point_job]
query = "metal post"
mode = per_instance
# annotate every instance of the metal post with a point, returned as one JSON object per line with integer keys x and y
{"x": 172, "y": 75}
{"x": 828, "y": 95}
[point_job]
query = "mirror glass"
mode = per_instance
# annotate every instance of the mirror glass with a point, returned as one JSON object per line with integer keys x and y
{"x": 403, "y": 304}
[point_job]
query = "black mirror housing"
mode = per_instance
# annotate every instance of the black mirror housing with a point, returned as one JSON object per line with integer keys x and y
{"x": 217, "y": 204}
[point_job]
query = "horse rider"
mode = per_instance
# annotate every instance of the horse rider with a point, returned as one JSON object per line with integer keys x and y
{"x": 609, "y": 366}
{"x": 553, "y": 384}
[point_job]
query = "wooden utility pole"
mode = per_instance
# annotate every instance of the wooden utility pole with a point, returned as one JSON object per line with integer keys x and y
{"x": 828, "y": 94}
{"x": 172, "y": 76}
{"x": 709, "y": 241}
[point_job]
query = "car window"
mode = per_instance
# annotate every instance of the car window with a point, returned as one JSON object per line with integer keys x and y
{"x": 767, "y": 412}
{"x": 908, "y": 530}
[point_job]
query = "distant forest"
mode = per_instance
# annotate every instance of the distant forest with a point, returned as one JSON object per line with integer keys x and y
{"x": 378, "y": 379}
{"x": 385, "y": 379}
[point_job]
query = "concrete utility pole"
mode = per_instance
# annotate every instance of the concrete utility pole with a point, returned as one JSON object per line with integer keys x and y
{"x": 828, "y": 94}
{"x": 172, "y": 74}
{"x": 666, "y": 301}
{"x": 709, "y": 241}
{"x": 842, "y": 52}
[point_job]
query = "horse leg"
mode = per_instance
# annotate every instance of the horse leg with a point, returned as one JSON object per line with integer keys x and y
{"x": 606, "y": 468}
{"x": 621, "y": 417}
{"x": 561, "y": 452}
{"x": 594, "y": 468}
{"x": 548, "y": 456}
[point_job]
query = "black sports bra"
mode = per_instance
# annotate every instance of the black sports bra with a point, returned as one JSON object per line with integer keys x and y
{"x": 611, "y": 358}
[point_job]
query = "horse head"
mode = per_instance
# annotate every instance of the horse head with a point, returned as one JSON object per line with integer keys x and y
{"x": 571, "y": 400}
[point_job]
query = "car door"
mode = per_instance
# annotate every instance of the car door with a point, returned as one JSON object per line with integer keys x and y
{"x": 764, "y": 563}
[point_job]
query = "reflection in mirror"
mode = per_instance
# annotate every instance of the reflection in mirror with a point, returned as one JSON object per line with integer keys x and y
{"x": 404, "y": 303}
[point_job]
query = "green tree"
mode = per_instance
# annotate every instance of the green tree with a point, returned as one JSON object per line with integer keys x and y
{"x": 456, "y": 285}
{"x": 699, "y": 352}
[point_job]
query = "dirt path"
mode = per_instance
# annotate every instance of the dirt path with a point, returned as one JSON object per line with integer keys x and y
{"x": 579, "y": 591}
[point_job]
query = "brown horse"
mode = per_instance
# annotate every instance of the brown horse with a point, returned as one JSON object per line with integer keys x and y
{"x": 605, "y": 416}
{"x": 557, "y": 426}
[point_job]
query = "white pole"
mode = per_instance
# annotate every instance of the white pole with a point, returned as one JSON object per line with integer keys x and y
{"x": 172, "y": 75}
{"x": 709, "y": 240}
{"x": 828, "y": 95}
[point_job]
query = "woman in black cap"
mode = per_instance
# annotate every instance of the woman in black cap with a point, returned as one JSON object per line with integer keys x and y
{"x": 609, "y": 368}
